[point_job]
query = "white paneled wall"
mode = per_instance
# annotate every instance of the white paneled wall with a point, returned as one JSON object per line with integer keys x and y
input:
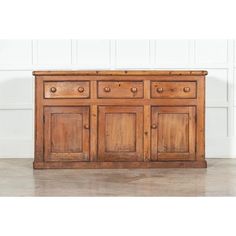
{"x": 18, "y": 58}
{"x": 98, "y": 50}
{"x": 172, "y": 53}
{"x": 132, "y": 54}
{"x": 52, "y": 53}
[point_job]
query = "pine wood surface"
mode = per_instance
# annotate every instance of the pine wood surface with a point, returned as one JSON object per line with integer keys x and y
{"x": 119, "y": 119}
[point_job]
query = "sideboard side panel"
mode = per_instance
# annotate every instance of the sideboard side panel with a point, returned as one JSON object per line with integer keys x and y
{"x": 200, "y": 121}
{"x": 39, "y": 147}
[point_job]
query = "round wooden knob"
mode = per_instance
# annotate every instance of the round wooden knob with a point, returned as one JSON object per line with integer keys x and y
{"x": 86, "y": 126}
{"x": 53, "y": 89}
{"x": 134, "y": 90}
{"x": 81, "y": 89}
{"x": 154, "y": 126}
{"x": 107, "y": 89}
{"x": 186, "y": 89}
{"x": 159, "y": 90}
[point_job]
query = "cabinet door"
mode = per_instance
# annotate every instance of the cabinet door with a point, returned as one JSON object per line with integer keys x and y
{"x": 120, "y": 133}
{"x": 66, "y": 133}
{"x": 173, "y": 133}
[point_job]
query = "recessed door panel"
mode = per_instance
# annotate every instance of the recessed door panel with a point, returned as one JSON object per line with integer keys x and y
{"x": 66, "y": 131}
{"x": 173, "y": 133}
{"x": 121, "y": 139}
{"x": 120, "y": 133}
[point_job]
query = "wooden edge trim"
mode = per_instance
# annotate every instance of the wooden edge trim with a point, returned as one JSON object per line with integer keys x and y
{"x": 123, "y": 72}
{"x": 115, "y": 165}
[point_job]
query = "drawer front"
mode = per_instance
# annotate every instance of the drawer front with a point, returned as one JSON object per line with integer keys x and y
{"x": 67, "y": 89}
{"x": 173, "y": 89}
{"x": 120, "y": 89}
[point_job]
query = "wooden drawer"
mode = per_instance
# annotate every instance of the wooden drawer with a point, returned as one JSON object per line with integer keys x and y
{"x": 120, "y": 89}
{"x": 173, "y": 89}
{"x": 66, "y": 89}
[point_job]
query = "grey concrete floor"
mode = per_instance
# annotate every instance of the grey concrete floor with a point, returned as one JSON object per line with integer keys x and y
{"x": 17, "y": 178}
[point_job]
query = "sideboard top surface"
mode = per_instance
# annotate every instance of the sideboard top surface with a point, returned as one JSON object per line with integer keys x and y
{"x": 123, "y": 72}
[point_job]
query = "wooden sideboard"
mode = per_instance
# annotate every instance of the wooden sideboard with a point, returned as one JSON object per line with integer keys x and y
{"x": 119, "y": 119}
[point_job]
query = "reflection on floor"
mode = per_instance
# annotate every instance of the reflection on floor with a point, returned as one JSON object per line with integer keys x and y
{"x": 17, "y": 178}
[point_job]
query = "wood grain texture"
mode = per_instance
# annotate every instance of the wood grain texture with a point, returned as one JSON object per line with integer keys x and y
{"x": 200, "y": 119}
{"x": 122, "y": 72}
{"x": 147, "y": 120}
{"x": 93, "y": 122}
{"x": 173, "y": 134}
{"x": 120, "y": 89}
{"x": 125, "y": 77}
{"x": 66, "y": 133}
{"x": 120, "y": 133}
{"x": 119, "y": 165}
{"x": 66, "y": 89}
{"x": 120, "y": 122}
{"x": 39, "y": 121}
{"x": 173, "y": 89}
